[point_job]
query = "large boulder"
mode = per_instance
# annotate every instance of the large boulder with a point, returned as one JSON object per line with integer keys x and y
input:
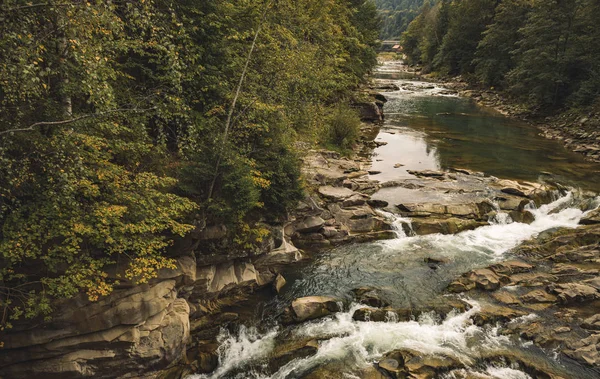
{"x": 484, "y": 279}
{"x": 586, "y": 350}
{"x": 408, "y": 363}
{"x": 336, "y": 193}
{"x": 184, "y": 272}
{"x": 477, "y": 211}
{"x": 539, "y": 193}
{"x": 492, "y": 314}
{"x": 450, "y": 225}
{"x": 217, "y": 280}
{"x": 311, "y": 307}
{"x": 487, "y": 279}
{"x": 287, "y": 352}
{"x": 370, "y": 112}
{"x": 370, "y": 296}
{"x": 538, "y": 296}
{"x": 574, "y": 292}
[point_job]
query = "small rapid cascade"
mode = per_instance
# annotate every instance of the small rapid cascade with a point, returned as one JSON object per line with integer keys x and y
{"x": 496, "y": 239}
{"x": 245, "y": 355}
{"x": 427, "y": 127}
{"x": 353, "y": 346}
{"x": 398, "y": 223}
{"x": 491, "y": 372}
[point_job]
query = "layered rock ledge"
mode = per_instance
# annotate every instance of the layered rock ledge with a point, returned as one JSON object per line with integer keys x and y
{"x": 554, "y": 276}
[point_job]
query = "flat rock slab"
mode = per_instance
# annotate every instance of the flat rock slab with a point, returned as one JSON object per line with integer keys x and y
{"x": 591, "y": 218}
{"x": 310, "y": 224}
{"x": 336, "y": 193}
{"x": 427, "y": 173}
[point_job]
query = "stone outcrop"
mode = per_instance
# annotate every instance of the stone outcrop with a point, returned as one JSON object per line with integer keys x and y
{"x": 369, "y": 111}
{"x": 340, "y": 209}
{"x": 311, "y": 307}
{"x": 404, "y": 363}
{"x": 592, "y": 218}
{"x": 557, "y": 273}
{"x": 129, "y": 331}
{"x": 146, "y": 328}
{"x": 176, "y": 317}
{"x": 473, "y": 200}
{"x": 444, "y": 226}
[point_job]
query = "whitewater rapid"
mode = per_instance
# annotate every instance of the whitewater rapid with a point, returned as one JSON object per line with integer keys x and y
{"x": 242, "y": 354}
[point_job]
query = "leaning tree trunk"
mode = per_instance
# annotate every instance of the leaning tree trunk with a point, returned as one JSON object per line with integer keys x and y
{"x": 234, "y": 102}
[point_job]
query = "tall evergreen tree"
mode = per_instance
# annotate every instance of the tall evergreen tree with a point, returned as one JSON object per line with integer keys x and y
{"x": 494, "y": 56}
{"x": 468, "y": 20}
{"x": 545, "y": 51}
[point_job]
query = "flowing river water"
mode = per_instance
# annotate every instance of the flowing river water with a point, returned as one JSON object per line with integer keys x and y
{"x": 426, "y": 127}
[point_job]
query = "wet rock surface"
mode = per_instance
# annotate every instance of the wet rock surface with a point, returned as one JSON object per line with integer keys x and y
{"x": 341, "y": 200}
{"x": 555, "y": 278}
{"x": 449, "y": 202}
{"x": 310, "y": 308}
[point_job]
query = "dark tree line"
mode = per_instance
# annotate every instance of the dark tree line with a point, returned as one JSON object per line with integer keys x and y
{"x": 396, "y": 15}
{"x": 544, "y": 52}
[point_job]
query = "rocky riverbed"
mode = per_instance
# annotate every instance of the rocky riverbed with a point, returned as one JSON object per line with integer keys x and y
{"x": 169, "y": 327}
{"x": 390, "y": 267}
{"x": 478, "y": 276}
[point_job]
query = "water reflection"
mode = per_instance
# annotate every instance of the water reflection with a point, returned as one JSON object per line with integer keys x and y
{"x": 433, "y": 132}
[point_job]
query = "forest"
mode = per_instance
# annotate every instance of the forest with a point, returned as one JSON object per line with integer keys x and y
{"x": 396, "y": 15}
{"x": 125, "y": 125}
{"x": 543, "y": 53}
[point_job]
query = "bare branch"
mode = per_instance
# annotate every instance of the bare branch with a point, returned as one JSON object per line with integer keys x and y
{"x": 72, "y": 120}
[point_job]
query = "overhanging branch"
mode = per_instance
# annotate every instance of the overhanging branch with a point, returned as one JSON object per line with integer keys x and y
{"x": 72, "y": 120}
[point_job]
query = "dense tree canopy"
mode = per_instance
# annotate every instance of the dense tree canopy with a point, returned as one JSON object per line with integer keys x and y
{"x": 396, "y": 15}
{"x": 544, "y": 52}
{"x": 118, "y": 131}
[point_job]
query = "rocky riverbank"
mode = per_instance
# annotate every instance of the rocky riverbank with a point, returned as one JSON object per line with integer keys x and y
{"x": 554, "y": 276}
{"x": 547, "y": 292}
{"x": 168, "y": 327}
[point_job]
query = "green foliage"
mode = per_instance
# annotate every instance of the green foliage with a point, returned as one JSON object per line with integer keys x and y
{"x": 396, "y": 15}
{"x": 424, "y": 36}
{"x": 468, "y": 20}
{"x": 112, "y": 128}
{"x": 343, "y": 127}
{"x": 545, "y": 53}
{"x": 494, "y": 57}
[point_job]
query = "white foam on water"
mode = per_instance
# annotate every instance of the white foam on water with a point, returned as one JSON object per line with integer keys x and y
{"x": 491, "y": 372}
{"x": 238, "y": 350}
{"x": 397, "y": 222}
{"x": 496, "y": 239}
{"x": 364, "y": 342}
{"x": 506, "y": 373}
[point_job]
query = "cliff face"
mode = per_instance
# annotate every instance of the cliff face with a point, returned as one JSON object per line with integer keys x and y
{"x": 130, "y": 330}
{"x": 138, "y": 330}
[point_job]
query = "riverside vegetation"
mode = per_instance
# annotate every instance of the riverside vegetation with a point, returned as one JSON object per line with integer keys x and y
{"x": 538, "y": 59}
{"x": 161, "y": 164}
{"x": 126, "y": 125}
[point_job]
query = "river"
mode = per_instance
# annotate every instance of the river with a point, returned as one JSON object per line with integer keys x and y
{"x": 426, "y": 128}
